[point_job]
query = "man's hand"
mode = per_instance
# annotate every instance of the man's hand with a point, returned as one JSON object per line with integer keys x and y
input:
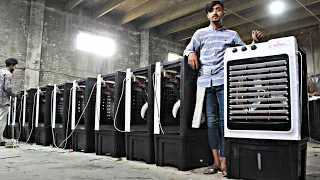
{"x": 18, "y": 93}
{"x": 193, "y": 61}
{"x": 257, "y": 36}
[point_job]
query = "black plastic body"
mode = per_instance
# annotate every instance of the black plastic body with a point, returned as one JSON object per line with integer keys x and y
{"x": 266, "y": 159}
{"x": 44, "y": 131}
{"x": 83, "y": 137}
{"x": 140, "y": 139}
{"x": 62, "y": 130}
{"x": 108, "y": 140}
{"x": 314, "y": 119}
{"x": 181, "y": 145}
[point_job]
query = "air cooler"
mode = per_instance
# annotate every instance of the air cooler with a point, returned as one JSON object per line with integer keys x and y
{"x": 29, "y": 114}
{"x": 83, "y": 111}
{"x": 61, "y": 114}
{"x": 139, "y": 106}
{"x": 266, "y": 126}
{"x": 176, "y": 143}
{"x": 108, "y": 140}
{"x": 16, "y": 124}
{"x": 43, "y": 116}
{"x": 314, "y": 119}
{"x": 7, "y": 133}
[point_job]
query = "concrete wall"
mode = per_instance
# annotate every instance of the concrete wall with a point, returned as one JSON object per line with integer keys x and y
{"x": 14, "y": 24}
{"x": 159, "y": 49}
{"x": 61, "y": 61}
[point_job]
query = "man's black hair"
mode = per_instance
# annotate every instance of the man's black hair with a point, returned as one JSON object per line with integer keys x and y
{"x": 211, "y": 4}
{"x": 11, "y": 61}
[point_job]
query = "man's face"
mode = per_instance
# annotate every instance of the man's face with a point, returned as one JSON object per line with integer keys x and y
{"x": 216, "y": 14}
{"x": 12, "y": 68}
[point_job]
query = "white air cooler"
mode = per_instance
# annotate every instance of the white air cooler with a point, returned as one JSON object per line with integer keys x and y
{"x": 262, "y": 98}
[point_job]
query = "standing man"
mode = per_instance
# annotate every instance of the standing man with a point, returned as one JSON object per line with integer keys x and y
{"x": 212, "y": 42}
{"x": 5, "y": 93}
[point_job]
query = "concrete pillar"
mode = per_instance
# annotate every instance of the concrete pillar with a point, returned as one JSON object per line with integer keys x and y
{"x": 144, "y": 48}
{"x": 32, "y": 71}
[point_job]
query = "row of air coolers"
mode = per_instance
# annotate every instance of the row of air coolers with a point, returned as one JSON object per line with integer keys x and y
{"x": 83, "y": 114}
{"x": 265, "y": 94}
{"x": 110, "y": 115}
{"x": 61, "y": 114}
{"x": 43, "y": 132}
{"x": 139, "y": 108}
{"x": 174, "y": 102}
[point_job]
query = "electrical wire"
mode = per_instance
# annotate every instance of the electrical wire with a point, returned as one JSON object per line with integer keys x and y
{"x": 115, "y": 116}
{"x": 67, "y": 128}
{"x": 155, "y": 95}
{"x": 51, "y": 110}
{"x": 32, "y": 118}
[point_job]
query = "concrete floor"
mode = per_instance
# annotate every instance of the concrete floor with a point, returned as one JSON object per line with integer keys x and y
{"x": 45, "y": 163}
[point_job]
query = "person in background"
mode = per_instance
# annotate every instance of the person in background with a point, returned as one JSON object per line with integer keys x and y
{"x": 212, "y": 42}
{"x": 5, "y": 93}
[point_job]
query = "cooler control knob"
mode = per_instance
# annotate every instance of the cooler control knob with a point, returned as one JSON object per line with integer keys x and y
{"x": 244, "y": 48}
{"x": 253, "y": 47}
{"x": 234, "y": 50}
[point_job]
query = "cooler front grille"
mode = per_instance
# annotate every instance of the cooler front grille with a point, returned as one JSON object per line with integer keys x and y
{"x": 259, "y": 94}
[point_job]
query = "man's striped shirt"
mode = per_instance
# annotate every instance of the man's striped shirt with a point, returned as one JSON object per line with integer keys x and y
{"x": 212, "y": 44}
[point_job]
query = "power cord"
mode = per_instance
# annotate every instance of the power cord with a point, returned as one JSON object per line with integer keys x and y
{"x": 115, "y": 116}
{"x": 32, "y": 118}
{"x": 51, "y": 110}
{"x": 154, "y": 78}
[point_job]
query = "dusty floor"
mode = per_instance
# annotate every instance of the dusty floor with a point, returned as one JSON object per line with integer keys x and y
{"x": 38, "y": 162}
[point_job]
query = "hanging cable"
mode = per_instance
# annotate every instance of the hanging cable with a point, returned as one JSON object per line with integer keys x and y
{"x": 115, "y": 116}
{"x": 32, "y": 118}
{"x": 155, "y": 95}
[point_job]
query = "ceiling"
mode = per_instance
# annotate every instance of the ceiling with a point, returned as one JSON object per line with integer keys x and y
{"x": 179, "y": 19}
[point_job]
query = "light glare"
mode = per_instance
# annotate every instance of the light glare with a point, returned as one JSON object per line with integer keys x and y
{"x": 102, "y": 46}
{"x": 276, "y": 7}
{"x": 173, "y": 56}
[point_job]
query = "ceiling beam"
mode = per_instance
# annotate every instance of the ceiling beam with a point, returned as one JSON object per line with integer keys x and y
{"x": 173, "y": 13}
{"x": 287, "y": 18}
{"x": 201, "y": 18}
{"x": 107, "y": 7}
{"x": 72, "y": 4}
{"x": 260, "y": 13}
{"x": 142, "y": 9}
{"x": 302, "y": 23}
{"x": 252, "y": 15}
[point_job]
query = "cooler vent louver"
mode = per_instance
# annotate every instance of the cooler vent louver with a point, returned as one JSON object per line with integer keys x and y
{"x": 259, "y": 94}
